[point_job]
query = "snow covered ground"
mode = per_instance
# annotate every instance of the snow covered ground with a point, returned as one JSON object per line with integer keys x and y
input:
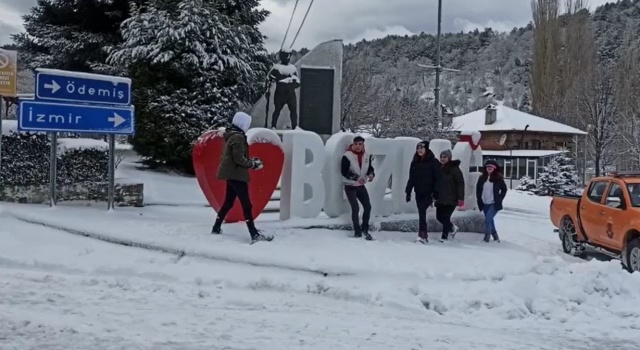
{"x": 180, "y": 288}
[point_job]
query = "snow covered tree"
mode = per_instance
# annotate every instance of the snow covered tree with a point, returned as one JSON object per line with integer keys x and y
{"x": 191, "y": 61}
{"x": 527, "y": 184}
{"x": 559, "y": 177}
{"x": 71, "y": 34}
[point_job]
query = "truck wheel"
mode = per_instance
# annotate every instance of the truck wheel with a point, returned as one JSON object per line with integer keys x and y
{"x": 632, "y": 252}
{"x": 568, "y": 231}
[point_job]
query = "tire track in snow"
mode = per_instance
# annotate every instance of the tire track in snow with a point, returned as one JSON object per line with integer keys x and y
{"x": 179, "y": 253}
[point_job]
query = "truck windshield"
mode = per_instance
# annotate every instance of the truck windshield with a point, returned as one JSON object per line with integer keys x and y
{"x": 634, "y": 194}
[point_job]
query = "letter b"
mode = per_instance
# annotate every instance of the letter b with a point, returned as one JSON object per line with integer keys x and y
{"x": 302, "y": 191}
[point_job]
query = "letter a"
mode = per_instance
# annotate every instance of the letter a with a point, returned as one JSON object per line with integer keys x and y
{"x": 302, "y": 191}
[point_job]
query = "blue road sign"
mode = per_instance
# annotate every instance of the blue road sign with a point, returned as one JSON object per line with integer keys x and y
{"x": 58, "y": 117}
{"x": 65, "y": 86}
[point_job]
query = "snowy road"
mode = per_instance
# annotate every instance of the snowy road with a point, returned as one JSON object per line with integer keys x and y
{"x": 60, "y": 291}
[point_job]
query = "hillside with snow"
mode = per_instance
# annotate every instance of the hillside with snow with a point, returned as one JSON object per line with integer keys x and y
{"x": 493, "y": 66}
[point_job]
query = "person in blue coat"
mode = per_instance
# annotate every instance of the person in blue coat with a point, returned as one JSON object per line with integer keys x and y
{"x": 490, "y": 192}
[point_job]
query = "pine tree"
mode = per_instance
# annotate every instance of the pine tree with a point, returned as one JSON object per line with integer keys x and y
{"x": 72, "y": 35}
{"x": 559, "y": 177}
{"x": 527, "y": 184}
{"x": 191, "y": 61}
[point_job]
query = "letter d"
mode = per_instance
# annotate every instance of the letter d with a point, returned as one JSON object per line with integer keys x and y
{"x": 302, "y": 188}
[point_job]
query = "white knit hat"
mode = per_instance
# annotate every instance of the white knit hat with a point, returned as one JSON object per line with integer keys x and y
{"x": 242, "y": 120}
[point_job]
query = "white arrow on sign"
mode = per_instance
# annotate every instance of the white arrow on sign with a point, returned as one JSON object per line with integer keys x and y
{"x": 53, "y": 86}
{"x": 116, "y": 120}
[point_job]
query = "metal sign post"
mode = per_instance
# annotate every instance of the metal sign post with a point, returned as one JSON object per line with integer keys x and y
{"x": 112, "y": 171}
{"x": 53, "y": 168}
{"x": 79, "y": 103}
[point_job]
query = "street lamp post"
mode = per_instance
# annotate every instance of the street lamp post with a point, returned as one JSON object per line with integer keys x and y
{"x": 436, "y": 90}
{"x": 438, "y": 68}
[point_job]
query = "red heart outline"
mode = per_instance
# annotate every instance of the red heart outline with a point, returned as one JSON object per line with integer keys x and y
{"x": 263, "y": 144}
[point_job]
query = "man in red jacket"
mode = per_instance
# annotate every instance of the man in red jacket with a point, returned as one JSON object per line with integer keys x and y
{"x": 356, "y": 171}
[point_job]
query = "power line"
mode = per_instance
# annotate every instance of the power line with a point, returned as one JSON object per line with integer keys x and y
{"x": 289, "y": 26}
{"x": 301, "y": 24}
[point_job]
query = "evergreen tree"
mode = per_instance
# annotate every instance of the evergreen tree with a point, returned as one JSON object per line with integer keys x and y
{"x": 71, "y": 34}
{"x": 559, "y": 177}
{"x": 191, "y": 61}
{"x": 527, "y": 184}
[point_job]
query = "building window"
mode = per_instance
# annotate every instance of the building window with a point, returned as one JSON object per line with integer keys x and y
{"x": 535, "y": 144}
{"x": 560, "y": 145}
{"x": 525, "y": 145}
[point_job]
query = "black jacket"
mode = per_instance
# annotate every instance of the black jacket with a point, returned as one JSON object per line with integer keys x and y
{"x": 451, "y": 189}
{"x": 424, "y": 175}
{"x": 499, "y": 192}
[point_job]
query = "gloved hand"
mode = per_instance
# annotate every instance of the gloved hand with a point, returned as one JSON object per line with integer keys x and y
{"x": 460, "y": 204}
{"x": 371, "y": 177}
{"x": 408, "y": 197}
{"x": 257, "y": 164}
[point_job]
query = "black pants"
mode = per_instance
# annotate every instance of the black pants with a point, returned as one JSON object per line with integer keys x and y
{"x": 355, "y": 194}
{"x": 240, "y": 190}
{"x": 443, "y": 214}
{"x": 423, "y": 201}
{"x": 285, "y": 96}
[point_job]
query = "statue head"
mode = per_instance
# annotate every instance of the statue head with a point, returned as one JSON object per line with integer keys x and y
{"x": 285, "y": 56}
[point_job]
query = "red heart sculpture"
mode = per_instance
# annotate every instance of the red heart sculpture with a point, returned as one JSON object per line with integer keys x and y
{"x": 263, "y": 144}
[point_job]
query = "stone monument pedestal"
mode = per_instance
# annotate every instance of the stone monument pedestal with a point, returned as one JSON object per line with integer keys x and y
{"x": 319, "y": 104}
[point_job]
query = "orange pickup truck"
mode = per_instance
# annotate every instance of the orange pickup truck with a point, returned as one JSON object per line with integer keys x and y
{"x": 604, "y": 220}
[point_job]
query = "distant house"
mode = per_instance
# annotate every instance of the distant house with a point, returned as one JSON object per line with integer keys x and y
{"x": 529, "y": 141}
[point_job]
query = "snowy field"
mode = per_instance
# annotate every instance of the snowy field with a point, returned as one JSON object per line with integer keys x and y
{"x": 178, "y": 287}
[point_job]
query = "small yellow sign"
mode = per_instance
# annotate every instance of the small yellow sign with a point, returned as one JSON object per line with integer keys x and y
{"x": 8, "y": 73}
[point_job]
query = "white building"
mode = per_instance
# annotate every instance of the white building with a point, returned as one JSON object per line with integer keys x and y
{"x": 520, "y": 142}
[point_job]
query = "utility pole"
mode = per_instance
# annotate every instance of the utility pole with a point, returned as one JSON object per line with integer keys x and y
{"x": 436, "y": 90}
{"x": 438, "y": 68}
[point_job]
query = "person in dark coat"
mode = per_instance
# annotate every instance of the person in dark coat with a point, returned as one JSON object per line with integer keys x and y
{"x": 234, "y": 169}
{"x": 450, "y": 194}
{"x": 357, "y": 169}
{"x": 424, "y": 177}
{"x": 490, "y": 192}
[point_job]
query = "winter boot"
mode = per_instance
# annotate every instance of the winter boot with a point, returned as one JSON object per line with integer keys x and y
{"x": 256, "y": 236}
{"x": 454, "y": 231}
{"x": 423, "y": 237}
{"x": 487, "y": 238}
{"x": 494, "y": 234}
{"x": 365, "y": 232}
{"x": 357, "y": 232}
{"x": 445, "y": 236}
{"x": 216, "y": 230}
{"x": 260, "y": 237}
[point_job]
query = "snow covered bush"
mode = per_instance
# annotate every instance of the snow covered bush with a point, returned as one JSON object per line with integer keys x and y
{"x": 558, "y": 178}
{"x": 192, "y": 61}
{"x": 25, "y": 159}
{"x": 25, "y": 162}
{"x": 527, "y": 184}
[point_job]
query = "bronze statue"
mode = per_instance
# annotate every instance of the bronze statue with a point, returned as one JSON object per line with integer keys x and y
{"x": 285, "y": 75}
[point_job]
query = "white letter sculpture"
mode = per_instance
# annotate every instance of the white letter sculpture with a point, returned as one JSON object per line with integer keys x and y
{"x": 335, "y": 203}
{"x": 385, "y": 158}
{"x": 302, "y": 188}
{"x": 469, "y": 152}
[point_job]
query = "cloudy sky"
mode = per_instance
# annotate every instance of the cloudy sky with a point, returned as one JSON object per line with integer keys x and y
{"x": 353, "y": 20}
